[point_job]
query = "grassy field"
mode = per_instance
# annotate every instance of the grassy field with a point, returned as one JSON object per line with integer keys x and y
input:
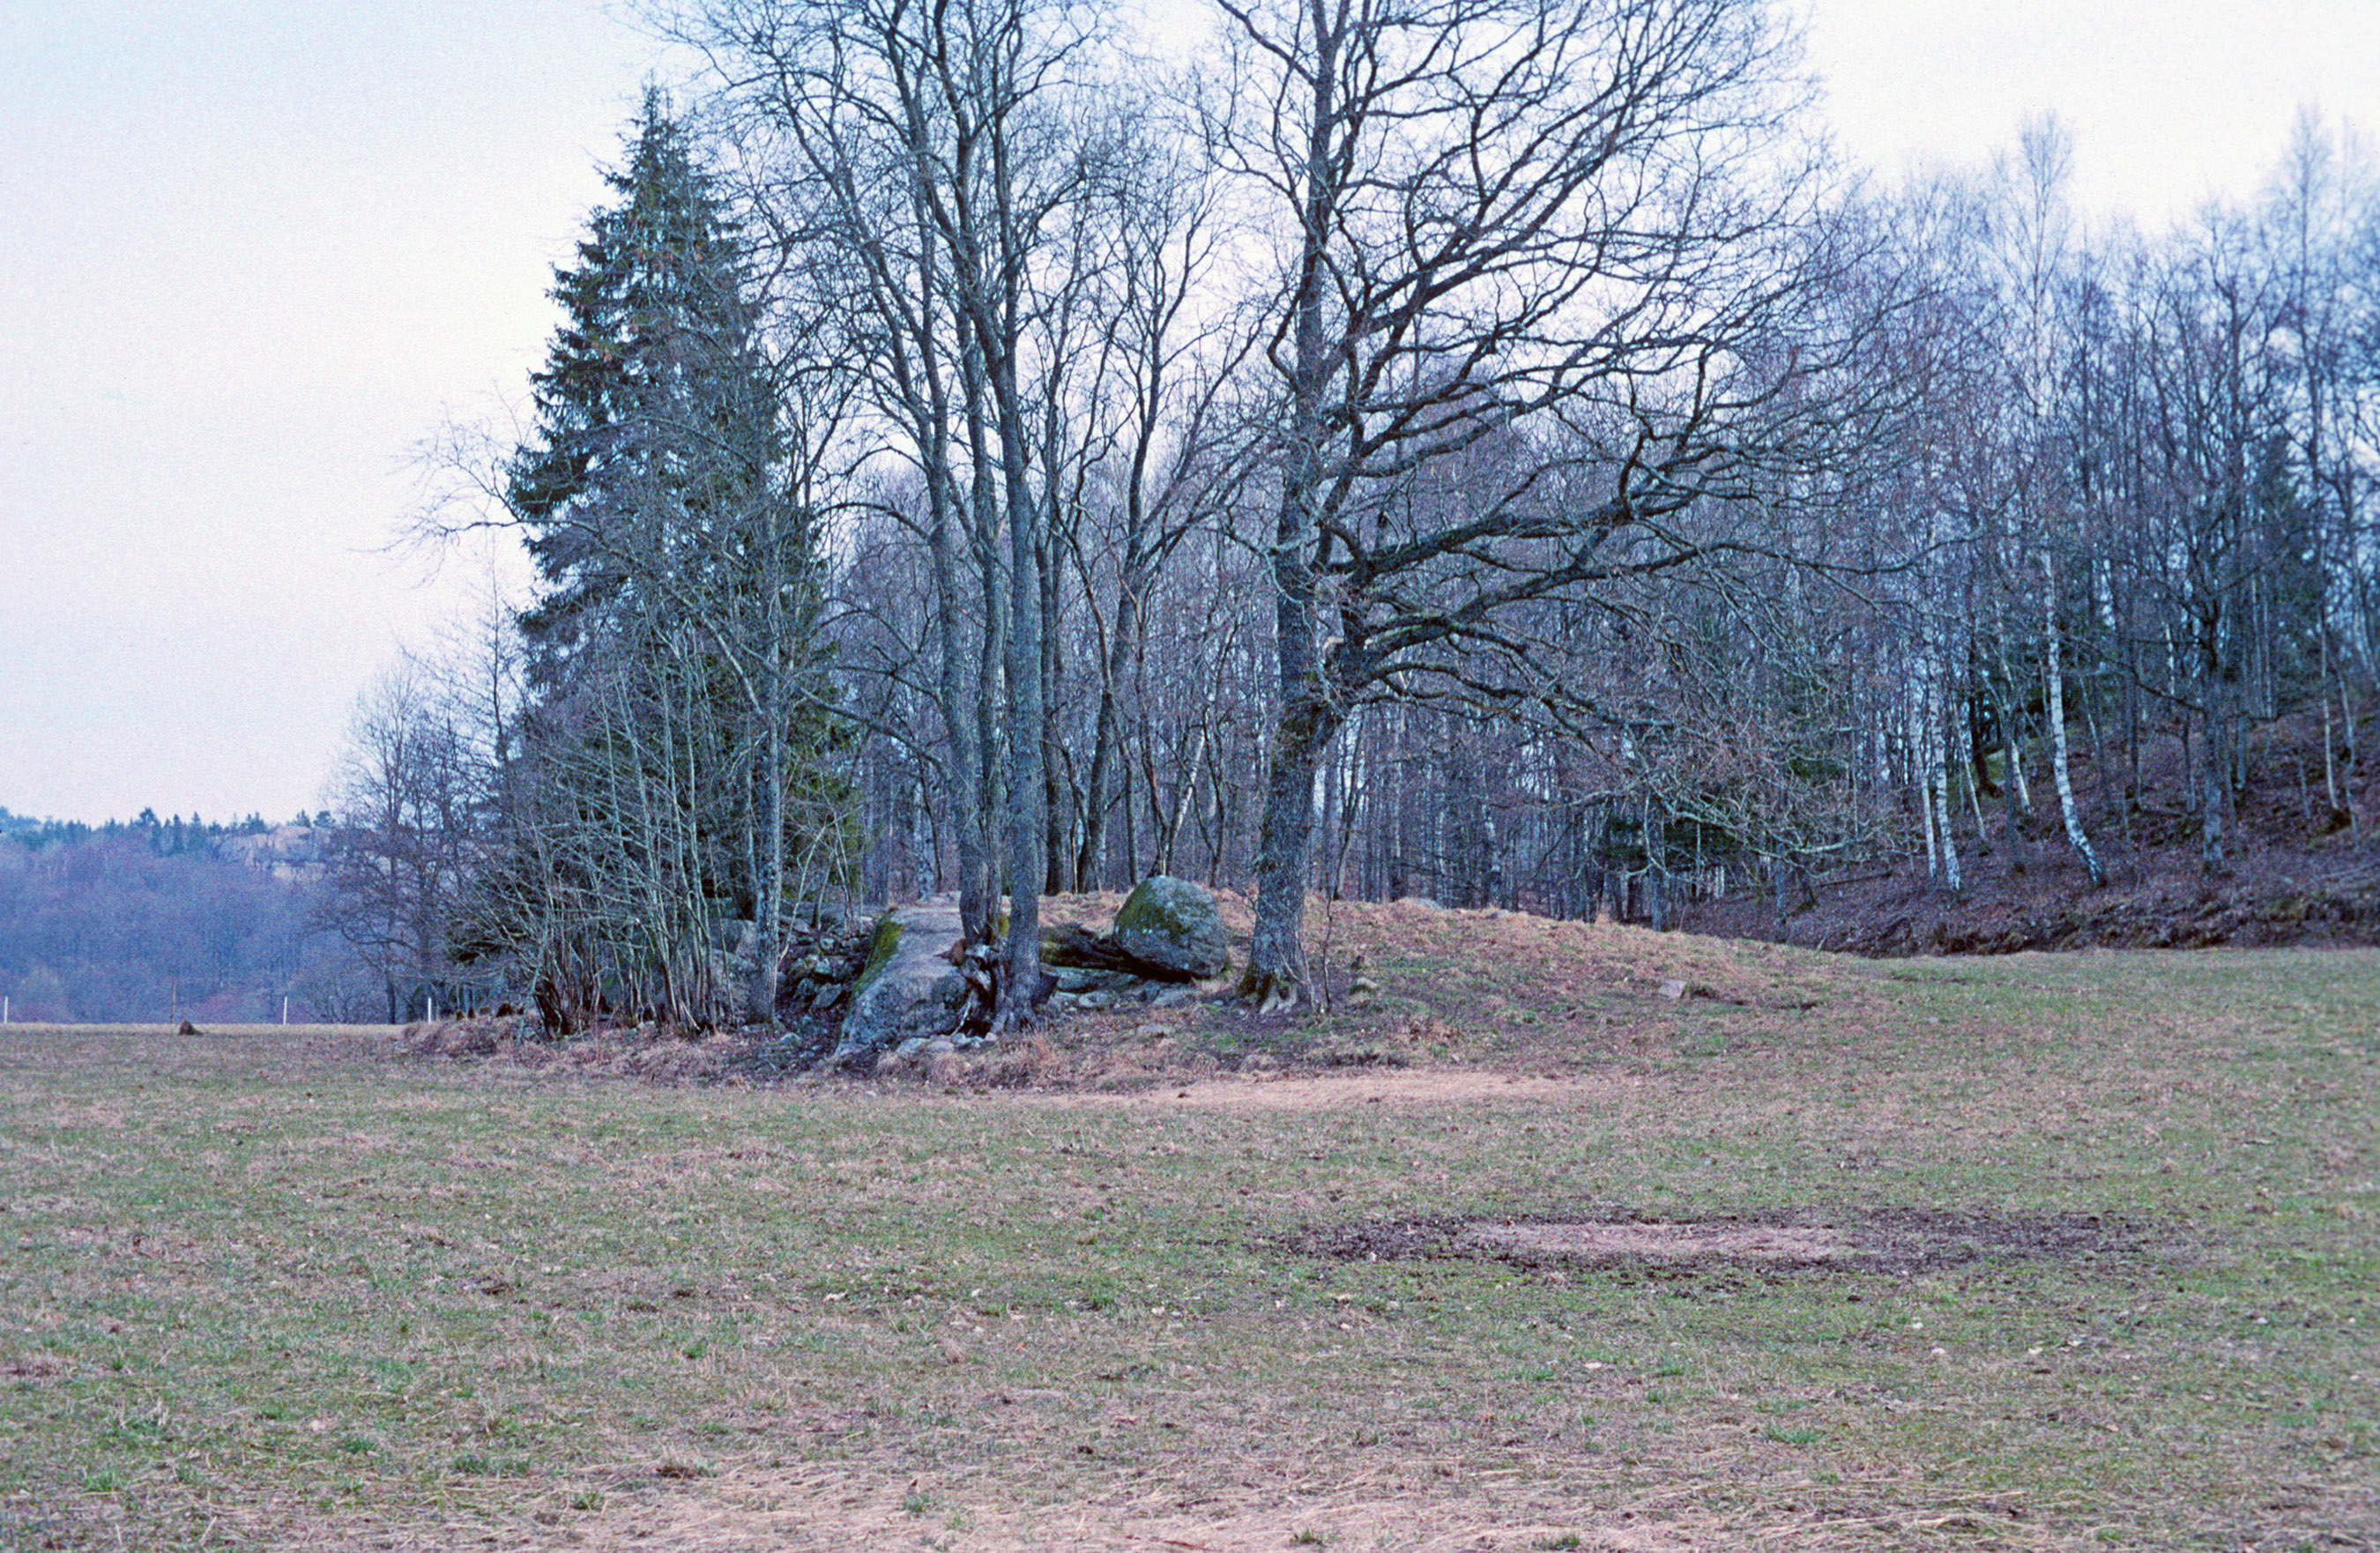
{"x": 2086, "y": 1257}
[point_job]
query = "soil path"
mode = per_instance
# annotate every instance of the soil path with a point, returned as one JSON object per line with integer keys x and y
{"x": 1418, "y": 1087}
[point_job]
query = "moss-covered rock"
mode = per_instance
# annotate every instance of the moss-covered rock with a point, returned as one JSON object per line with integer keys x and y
{"x": 881, "y": 946}
{"x": 1173, "y": 925}
{"x": 907, "y": 986}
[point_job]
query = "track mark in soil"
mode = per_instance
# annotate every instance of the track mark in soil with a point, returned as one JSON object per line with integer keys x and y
{"x": 1896, "y": 1240}
{"x": 1660, "y": 1243}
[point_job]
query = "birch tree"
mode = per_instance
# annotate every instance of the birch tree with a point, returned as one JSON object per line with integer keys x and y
{"x": 2049, "y": 488}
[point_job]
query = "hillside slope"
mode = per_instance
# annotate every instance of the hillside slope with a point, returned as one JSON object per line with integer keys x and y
{"x": 2300, "y": 871}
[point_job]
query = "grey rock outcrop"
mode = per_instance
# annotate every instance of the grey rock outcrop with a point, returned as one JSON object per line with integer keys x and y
{"x": 909, "y": 989}
{"x": 1171, "y": 926}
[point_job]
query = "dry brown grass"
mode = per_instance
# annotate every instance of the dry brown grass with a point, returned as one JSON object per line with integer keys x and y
{"x": 303, "y": 1290}
{"x": 1519, "y": 992}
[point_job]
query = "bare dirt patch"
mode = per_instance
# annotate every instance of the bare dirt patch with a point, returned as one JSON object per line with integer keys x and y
{"x": 840, "y": 1510}
{"x": 826, "y": 1508}
{"x": 1342, "y": 1091}
{"x": 1661, "y": 1243}
{"x": 1900, "y": 1239}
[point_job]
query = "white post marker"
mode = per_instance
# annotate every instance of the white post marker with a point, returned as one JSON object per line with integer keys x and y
{"x": 285, "y": 1011}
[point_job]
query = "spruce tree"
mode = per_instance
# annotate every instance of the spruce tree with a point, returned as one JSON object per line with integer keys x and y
{"x": 656, "y": 426}
{"x": 668, "y": 763}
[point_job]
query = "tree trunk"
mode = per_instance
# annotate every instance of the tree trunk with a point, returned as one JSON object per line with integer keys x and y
{"x": 2211, "y": 773}
{"x": 1057, "y": 806}
{"x": 1090, "y": 863}
{"x": 769, "y": 903}
{"x": 995, "y": 306}
{"x": 2058, "y": 758}
{"x": 1277, "y": 977}
{"x": 1027, "y": 851}
{"x": 979, "y": 912}
{"x": 2012, "y": 808}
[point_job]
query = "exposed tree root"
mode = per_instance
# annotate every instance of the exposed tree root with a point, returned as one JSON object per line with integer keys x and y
{"x": 1275, "y": 991}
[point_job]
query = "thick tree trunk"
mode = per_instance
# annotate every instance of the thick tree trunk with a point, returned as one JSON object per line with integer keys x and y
{"x": 769, "y": 903}
{"x": 979, "y": 906}
{"x": 2211, "y": 775}
{"x": 769, "y": 795}
{"x": 1277, "y": 977}
{"x": 961, "y": 712}
{"x": 1057, "y": 781}
{"x": 960, "y": 726}
{"x": 2212, "y": 781}
{"x": 1028, "y": 852}
{"x": 1090, "y": 865}
{"x": 995, "y": 306}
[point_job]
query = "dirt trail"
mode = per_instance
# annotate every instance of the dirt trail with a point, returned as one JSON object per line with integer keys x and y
{"x": 1417, "y": 1088}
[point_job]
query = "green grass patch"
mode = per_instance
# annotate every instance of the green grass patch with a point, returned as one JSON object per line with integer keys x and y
{"x": 2111, "y": 1262}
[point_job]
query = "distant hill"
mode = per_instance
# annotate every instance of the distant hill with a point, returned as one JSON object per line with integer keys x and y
{"x": 295, "y": 853}
{"x": 151, "y": 919}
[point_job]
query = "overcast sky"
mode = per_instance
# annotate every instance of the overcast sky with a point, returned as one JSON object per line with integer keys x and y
{"x": 253, "y": 252}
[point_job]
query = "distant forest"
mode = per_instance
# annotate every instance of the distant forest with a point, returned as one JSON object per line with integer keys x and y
{"x": 1485, "y": 451}
{"x": 154, "y": 920}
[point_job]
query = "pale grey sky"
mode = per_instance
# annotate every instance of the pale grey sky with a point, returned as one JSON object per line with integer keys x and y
{"x": 2170, "y": 102}
{"x": 253, "y": 251}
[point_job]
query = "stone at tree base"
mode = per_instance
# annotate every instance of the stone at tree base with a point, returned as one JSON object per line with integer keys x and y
{"x": 1074, "y": 948}
{"x": 1172, "y": 925}
{"x": 908, "y": 988}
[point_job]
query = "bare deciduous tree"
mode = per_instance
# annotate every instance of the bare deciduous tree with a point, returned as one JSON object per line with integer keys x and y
{"x": 1558, "y": 232}
{"x": 407, "y": 796}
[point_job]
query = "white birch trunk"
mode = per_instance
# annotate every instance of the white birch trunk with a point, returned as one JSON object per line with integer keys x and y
{"x": 2057, "y": 761}
{"x": 1941, "y": 781}
{"x": 1919, "y": 744}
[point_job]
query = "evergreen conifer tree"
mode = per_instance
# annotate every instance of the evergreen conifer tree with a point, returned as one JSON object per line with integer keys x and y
{"x": 656, "y": 426}
{"x": 668, "y": 763}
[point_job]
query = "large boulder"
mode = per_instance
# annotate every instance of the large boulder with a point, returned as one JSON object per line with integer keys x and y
{"x": 908, "y": 987}
{"x": 1171, "y": 926}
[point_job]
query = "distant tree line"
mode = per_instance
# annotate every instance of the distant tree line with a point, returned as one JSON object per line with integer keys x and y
{"x": 1469, "y": 452}
{"x": 151, "y": 919}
